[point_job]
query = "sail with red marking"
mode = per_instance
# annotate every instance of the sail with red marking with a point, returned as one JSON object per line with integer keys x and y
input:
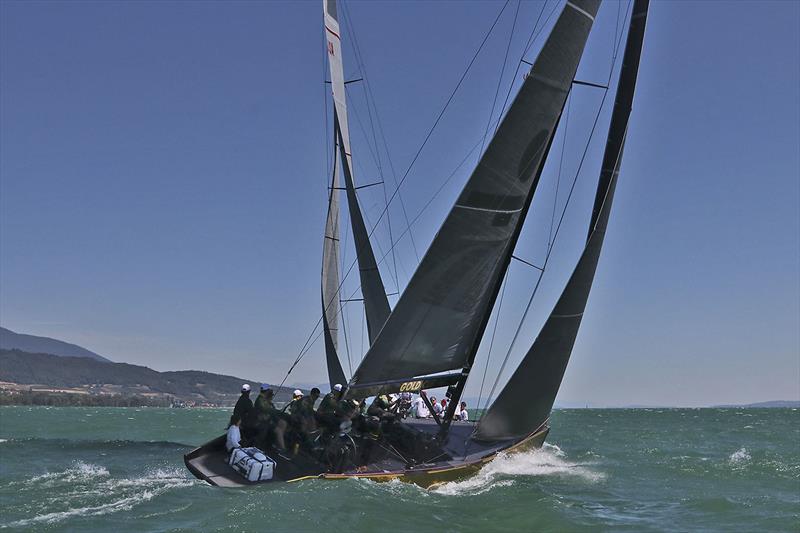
{"x": 376, "y": 304}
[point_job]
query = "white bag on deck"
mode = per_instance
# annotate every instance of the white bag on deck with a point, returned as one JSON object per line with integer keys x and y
{"x": 252, "y": 464}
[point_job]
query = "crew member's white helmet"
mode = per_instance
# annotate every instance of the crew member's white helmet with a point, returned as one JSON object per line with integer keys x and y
{"x": 297, "y": 392}
{"x": 337, "y": 387}
{"x": 245, "y": 388}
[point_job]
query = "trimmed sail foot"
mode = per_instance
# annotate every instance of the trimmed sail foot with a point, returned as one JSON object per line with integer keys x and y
{"x": 437, "y": 323}
{"x": 414, "y": 384}
{"x": 536, "y": 381}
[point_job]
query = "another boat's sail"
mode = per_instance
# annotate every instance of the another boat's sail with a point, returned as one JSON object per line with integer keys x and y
{"x": 376, "y": 303}
{"x": 437, "y": 324}
{"x": 535, "y": 383}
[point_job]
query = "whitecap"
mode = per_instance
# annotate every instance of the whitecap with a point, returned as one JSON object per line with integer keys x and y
{"x": 739, "y": 456}
{"x": 128, "y": 493}
{"x": 79, "y": 471}
{"x": 3, "y": 440}
{"x": 550, "y": 460}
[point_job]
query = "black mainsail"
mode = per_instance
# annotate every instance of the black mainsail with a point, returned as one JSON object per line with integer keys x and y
{"x": 437, "y": 323}
{"x": 376, "y": 304}
{"x": 536, "y": 381}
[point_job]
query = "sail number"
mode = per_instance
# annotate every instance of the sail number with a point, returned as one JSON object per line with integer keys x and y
{"x": 411, "y": 386}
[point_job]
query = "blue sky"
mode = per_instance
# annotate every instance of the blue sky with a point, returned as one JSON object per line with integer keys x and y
{"x": 163, "y": 170}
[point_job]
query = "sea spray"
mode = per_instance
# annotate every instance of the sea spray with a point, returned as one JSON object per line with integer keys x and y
{"x": 550, "y": 460}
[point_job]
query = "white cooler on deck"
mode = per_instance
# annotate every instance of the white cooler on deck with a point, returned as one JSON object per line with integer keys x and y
{"x": 252, "y": 464}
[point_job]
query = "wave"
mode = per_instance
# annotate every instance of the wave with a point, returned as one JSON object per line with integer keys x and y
{"x": 550, "y": 460}
{"x": 77, "y": 472}
{"x": 125, "y": 493}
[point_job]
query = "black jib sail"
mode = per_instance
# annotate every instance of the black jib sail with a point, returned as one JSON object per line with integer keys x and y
{"x": 436, "y": 325}
{"x": 376, "y": 304}
{"x": 536, "y": 381}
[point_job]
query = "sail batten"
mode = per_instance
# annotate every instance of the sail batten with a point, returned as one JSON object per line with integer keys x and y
{"x": 437, "y": 321}
{"x": 536, "y": 381}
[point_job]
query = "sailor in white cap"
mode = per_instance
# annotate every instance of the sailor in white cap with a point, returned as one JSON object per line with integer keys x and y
{"x": 327, "y": 412}
{"x": 243, "y": 404}
{"x": 295, "y": 407}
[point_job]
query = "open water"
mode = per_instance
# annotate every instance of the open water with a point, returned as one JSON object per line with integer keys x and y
{"x": 121, "y": 469}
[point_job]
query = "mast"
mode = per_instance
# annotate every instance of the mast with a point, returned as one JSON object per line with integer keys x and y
{"x": 375, "y": 301}
{"x": 536, "y": 381}
{"x": 436, "y": 324}
{"x": 376, "y": 304}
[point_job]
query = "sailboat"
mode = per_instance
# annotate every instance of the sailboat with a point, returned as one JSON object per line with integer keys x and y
{"x": 431, "y": 337}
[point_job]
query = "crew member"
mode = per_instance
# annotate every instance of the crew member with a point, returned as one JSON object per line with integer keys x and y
{"x": 309, "y": 423}
{"x": 243, "y": 404}
{"x": 269, "y": 419}
{"x": 328, "y": 410}
{"x": 382, "y": 408}
{"x": 437, "y": 408}
{"x": 234, "y": 436}
{"x": 420, "y": 409}
{"x": 296, "y": 405}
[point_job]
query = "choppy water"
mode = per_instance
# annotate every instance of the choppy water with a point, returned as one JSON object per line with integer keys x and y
{"x": 97, "y": 469}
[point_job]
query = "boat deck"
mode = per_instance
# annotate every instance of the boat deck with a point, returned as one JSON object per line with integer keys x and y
{"x": 462, "y": 455}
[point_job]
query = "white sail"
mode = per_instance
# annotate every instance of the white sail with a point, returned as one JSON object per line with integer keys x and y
{"x": 376, "y": 304}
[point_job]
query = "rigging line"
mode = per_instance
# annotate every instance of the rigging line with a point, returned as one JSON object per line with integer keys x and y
{"x": 614, "y": 37}
{"x": 377, "y": 243}
{"x": 408, "y": 170}
{"x": 500, "y": 78}
{"x": 549, "y": 250}
{"x": 447, "y": 104}
{"x": 618, "y": 43}
{"x": 310, "y": 341}
{"x": 435, "y": 194}
{"x": 377, "y": 154}
{"x": 560, "y": 165}
{"x": 494, "y": 332}
{"x": 544, "y": 25}
{"x": 370, "y": 98}
{"x": 521, "y": 60}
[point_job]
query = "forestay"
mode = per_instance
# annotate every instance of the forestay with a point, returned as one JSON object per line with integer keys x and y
{"x": 436, "y": 324}
{"x": 527, "y": 399}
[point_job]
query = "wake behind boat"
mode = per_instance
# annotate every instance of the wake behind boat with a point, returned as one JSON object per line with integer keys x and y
{"x": 431, "y": 337}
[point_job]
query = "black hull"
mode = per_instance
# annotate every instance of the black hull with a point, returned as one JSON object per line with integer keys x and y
{"x": 209, "y": 461}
